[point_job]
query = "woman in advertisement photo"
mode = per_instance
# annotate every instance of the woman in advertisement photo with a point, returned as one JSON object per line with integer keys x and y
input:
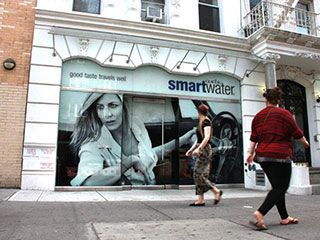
{"x": 112, "y": 146}
{"x": 202, "y": 151}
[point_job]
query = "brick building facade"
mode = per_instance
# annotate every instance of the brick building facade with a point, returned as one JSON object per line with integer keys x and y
{"x": 16, "y": 33}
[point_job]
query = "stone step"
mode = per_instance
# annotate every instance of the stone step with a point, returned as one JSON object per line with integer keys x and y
{"x": 314, "y": 174}
{"x": 315, "y": 189}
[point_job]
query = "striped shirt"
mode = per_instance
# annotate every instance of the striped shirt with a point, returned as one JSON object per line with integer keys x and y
{"x": 277, "y": 130}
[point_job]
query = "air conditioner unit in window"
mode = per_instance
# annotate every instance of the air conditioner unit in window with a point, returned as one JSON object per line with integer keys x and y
{"x": 154, "y": 13}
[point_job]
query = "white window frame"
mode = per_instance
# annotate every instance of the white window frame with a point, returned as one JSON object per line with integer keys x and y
{"x": 218, "y": 6}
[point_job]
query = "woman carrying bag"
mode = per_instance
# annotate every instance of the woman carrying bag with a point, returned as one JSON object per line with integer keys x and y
{"x": 272, "y": 131}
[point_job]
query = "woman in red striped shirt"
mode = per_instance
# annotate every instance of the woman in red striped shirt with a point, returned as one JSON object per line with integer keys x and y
{"x": 273, "y": 129}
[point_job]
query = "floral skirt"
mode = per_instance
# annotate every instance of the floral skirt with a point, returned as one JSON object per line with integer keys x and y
{"x": 202, "y": 170}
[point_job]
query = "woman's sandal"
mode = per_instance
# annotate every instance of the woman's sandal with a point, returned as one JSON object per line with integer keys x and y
{"x": 197, "y": 204}
{"x": 217, "y": 201}
{"x": 290, "y": 221}
{"x": 260, "y": 226}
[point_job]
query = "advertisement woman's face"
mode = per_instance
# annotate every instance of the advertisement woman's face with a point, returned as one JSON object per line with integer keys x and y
{"x": 109, "y": 109}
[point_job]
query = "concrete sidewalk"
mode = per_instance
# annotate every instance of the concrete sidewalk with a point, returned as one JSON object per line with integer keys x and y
{"x": 130, "y": 195}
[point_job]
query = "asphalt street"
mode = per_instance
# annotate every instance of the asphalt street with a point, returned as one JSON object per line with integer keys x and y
{"x": 153, "y": 219}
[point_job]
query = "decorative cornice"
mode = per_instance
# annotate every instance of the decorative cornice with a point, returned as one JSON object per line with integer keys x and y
{"x": 110, "y": 3}
{"x": 133, "y": 5}
{"x": 291, "y": 40}
{"x": 175, "y": 3}
{"x": 144, "y": 29}
{"x": 222, "y": 62}
{"x": 271, "y": 37}
{"x": 294, "y": 73}
{"x": 175, "y": 12}
{"x": 154, "y": 51}
{"x": 308, "y": 55}
{"x": 290, "y": 72}
{"x": 98, "y": 27}
{"x": 271, "y": 56}
{"x": 284, "y": 36}
{"x": 309, "y": 43}
{"x": 84, "y": 45}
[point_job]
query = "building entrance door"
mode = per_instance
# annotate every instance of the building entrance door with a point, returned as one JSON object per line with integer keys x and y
{"x": 158, "y": 117}
{"x": 294, "y": 100}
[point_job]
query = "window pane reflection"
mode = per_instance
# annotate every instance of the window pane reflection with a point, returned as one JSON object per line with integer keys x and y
{"x": 88, "y": 6}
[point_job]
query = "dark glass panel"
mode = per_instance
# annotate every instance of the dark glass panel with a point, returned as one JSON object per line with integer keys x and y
{"x": 88, "y": 6}
{"x": 253, "y": 3}
{"x": 209, "y": 18}
{"x": 294, "y": 100}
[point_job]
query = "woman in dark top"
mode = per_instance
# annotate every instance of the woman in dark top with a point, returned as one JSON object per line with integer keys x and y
{"x": 202, "y": 151}
{"x": 273, "y": 129}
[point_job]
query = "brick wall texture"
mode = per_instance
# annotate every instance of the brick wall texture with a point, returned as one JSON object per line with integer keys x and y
{"x": 16, "y": 32}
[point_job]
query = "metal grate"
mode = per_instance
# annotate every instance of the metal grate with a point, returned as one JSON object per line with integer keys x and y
{"x": 270, "y": 14}
{"x": 260, "y": 178}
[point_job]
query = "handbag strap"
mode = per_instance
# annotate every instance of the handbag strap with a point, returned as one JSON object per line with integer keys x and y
{"x": 264, "y": 123}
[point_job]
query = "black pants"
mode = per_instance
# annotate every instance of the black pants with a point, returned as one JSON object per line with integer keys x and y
{"x": 279, "y": 175}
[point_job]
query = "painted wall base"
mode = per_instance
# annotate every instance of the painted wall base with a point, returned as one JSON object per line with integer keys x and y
{"x": 300, "y": 190}
{"x": 38, "y": 181}
{"x": 300, "y": 181}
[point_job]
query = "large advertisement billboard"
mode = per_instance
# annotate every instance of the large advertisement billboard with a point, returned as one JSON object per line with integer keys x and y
{"x": 119, "y": 134}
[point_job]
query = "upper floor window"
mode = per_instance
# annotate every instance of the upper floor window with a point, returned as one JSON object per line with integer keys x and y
{"x": 305, "y": 18}
{"x": 209, "y": 18}
{"x": 254, "y": 3}
{"x": 88, "y": 6}
{"x": 152, "y": 10}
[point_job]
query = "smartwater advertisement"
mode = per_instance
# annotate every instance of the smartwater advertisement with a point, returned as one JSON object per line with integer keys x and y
{"x": 112, "y": 139}
{"x": 148, "y": 79}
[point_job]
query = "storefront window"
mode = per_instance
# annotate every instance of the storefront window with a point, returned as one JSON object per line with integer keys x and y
{"x": 109, "y": 138}
{"x": 226, "y": 142}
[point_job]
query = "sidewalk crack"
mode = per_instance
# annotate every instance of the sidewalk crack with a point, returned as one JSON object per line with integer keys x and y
{"x": 94, "y": 231}
{"x": 170, "y": 218}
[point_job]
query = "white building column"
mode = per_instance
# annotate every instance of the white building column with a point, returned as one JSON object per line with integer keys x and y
{"x": 270, "y": 70}
{"x": 270, "y": 73}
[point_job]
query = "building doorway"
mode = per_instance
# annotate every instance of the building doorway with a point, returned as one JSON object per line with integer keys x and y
{"x": 294, "y": 100}
{"x": 159, "y": 117}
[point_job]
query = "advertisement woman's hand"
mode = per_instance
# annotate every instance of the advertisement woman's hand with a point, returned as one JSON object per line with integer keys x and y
{"x": 139, "y": 167}
{"x": 187, "y": 138}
